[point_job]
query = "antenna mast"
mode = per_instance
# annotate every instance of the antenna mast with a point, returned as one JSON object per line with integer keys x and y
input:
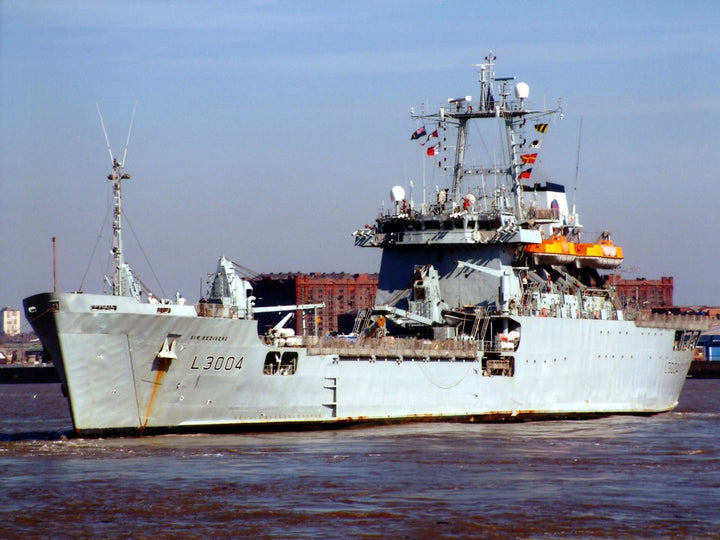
{"x": 577, "y": 166}
{"x": 117, "y": 175}
{"x": 54, "y": 266}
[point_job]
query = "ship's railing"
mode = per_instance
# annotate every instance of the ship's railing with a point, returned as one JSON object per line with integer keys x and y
{"x": 668, "y": 320}
{"x": 557, "y": 312}
{"x": 205, "y": 309}
{"x": 552, "y": 214}
{"x": 498, "y": 346}
{"x": 547, "y": 301}
{"x": 390, "y": 346}
{"x": 209, "y": 309}
{"x": 439, "y": 210}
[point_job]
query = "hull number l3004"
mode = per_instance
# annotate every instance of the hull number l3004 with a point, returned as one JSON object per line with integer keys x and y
{"x": 217, "y": 363}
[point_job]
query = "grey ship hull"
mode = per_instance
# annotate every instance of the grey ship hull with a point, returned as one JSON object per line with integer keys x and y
{"x": 108, "y": 352}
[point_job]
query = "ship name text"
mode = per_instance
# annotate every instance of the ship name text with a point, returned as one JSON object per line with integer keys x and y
{"x": 208, "y": 338}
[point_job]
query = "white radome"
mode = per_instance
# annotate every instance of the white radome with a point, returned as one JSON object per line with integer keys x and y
{"x": 522, "y": 90}
{"x": 397, "y": 194}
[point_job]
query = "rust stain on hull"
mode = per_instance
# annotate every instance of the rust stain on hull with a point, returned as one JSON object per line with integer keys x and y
{"x": 160, "y": 366}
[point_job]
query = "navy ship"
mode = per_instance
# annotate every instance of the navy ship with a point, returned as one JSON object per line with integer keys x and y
{"x": 489, "y": 307}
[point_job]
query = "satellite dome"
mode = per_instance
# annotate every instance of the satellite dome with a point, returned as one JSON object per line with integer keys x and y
{"x": 522, "y": 90}
{"x": 470, "y": 198}
{"x": 397, "y": 194}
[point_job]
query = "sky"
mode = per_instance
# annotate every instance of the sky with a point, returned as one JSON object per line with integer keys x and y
{"x": 269, "y": 131}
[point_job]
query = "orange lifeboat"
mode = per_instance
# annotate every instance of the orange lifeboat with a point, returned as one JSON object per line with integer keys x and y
{"x": 604, "y": 254}
{"x": 558, "y": 251}
{"x": 554, "y": 250}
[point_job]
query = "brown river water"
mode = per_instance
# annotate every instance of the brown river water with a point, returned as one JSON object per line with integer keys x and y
{"x": 614, "y": 477}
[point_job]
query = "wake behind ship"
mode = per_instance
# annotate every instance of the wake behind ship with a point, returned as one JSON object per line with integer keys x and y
{"x": 489, "y": 307}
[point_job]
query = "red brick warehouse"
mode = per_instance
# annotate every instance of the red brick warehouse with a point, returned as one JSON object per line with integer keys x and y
{"x": 342, "y": 294}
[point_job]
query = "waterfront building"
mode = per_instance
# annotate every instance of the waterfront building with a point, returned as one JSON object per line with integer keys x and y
{"x": 643, "y": 293}
{"x": 10, "y": 321}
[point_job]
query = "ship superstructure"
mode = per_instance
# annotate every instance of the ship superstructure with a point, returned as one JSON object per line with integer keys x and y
{"x": 489, "y": 307}
{"x": 511, "y": 250}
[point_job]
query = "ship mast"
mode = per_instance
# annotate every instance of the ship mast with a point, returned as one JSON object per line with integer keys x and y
{"x": 123, "y": 282}
{"x": 116, "y": 177}
{"x": 486, "y": 104}
{"x": 459, "y": 170}
{"x": 496, "y": 101}
{"x": 515, "y": 164}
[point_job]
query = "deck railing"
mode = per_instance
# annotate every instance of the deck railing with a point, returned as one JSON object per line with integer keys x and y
{"x": 668, "y": 320}
{"x": 393, "y": 347}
